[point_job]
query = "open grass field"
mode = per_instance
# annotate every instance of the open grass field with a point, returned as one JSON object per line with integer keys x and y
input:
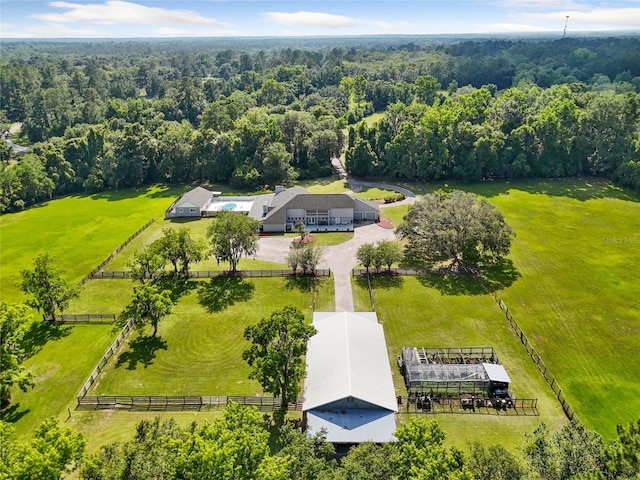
{"x": 326, "y": 185}
{"x": 78, "y": 231}
{"x": 428, "y": 312}
{"x": 63, "y": 356}
{"x": 577, "y": 256}
{"x": 574, "y": 287}
{"x": 198, "y": 349}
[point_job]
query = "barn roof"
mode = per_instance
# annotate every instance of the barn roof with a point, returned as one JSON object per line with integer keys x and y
{"x": 347, "y": 359}
{"x": 352, "y": 426}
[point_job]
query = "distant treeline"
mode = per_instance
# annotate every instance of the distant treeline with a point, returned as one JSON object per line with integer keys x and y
{"x": 525, "y": 131}
{"x": 112, "y": 114}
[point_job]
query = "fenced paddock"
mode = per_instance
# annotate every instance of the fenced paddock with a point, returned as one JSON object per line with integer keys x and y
{"x": 537, "y": 359}
{"x": 406, "y": 271}
{"x": 164, "y": 403}
{"x": 105, "y": 358}
{"x": 321, "y": 272}
{"x": 81, "y": 318}
{"x": 101, "y": 265}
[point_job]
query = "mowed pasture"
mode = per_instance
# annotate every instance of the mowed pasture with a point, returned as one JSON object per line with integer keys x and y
{"x": 198, "y": 349}
{"x": 78, "y": 231}
{"x": 572, "y": 285}
{"x": 427, "y": 311}
{"x": 577, "y": 297}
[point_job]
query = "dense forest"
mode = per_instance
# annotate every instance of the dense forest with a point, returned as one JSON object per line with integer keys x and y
{"x": 112, "y": 114}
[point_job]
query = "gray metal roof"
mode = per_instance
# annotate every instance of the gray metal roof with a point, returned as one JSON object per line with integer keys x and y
{"x": 198, "y": 197}
{"x": 496, "y": 373}
{"x": 298, "y": 197}
{"x": 360, "y": 203}
{"x": 353, "y": 426}
{"x": 347, "y": 358}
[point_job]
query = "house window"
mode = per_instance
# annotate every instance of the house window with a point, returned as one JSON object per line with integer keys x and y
{"x": 181, "y": 210}
{"x": 193, "y": 210}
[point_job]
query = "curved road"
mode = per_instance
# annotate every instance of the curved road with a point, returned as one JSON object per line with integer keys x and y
{"x": 341, "y": 259}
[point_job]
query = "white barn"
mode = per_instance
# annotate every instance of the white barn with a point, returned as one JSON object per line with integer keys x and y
{"x": 348, "y": 390}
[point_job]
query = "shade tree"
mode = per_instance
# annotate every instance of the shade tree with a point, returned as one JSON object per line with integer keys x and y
{"x": 148, "y": 305}
{"x": 51, "y": 292}
{"x": 276, "y": 352}
{"x": 458, "y": 228}
{"x": 233, "y": 236}
{"x": 146, "y": 264}
{"x": 14, "y": 321}
{"x": 53, "y": 452}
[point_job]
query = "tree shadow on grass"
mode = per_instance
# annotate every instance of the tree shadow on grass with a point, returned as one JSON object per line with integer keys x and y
{"x": 500, "y": 275}
{"x": 302, "y": 283}
{"x": 142, "y": 351}
{"x": 222, "y": 292}
{"x": 13, "y": 413}
{"x": 578, "y": 188}
{"x": 177, "y": 285}
{"x": 383, "y": 280}
{"x": 40, "y": 333}
{"x": 456, "y": 283}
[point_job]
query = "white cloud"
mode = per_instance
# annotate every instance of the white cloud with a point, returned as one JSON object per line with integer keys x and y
{"x": 119, "y": 12}
{"x": 50, "y": 30}
{"x": 328, "y": 20}
{"x": 598, "y": 18}
{"x": 544, "y": 4}
{"x": 312, "y": 19}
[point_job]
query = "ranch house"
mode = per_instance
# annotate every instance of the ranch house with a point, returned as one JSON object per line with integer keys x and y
{"x": 279, "y": 211}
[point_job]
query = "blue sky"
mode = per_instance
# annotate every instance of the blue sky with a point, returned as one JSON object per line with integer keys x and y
{"x": 206, "y": 18}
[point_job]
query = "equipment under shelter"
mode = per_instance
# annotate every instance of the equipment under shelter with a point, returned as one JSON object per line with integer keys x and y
{"x": 454, "y": 371}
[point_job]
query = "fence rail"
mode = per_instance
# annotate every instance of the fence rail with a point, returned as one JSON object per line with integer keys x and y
{"x": 467, "y": 405}
{"x": 178, "y": 403}
{"x": 105, "y": 358}
{"x": 80, "y": 318}
{"x": 537, "y": 359}
{"x": 92, "y": 274}
{"x": 321, "y": 272}
{"x": 408, "y": 271}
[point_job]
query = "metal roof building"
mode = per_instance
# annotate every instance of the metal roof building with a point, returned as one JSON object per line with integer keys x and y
{"x": 348, "y": 390}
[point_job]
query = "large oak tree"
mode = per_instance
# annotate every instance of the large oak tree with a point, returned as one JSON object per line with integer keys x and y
{"x": 458, "y": 227}
{"x": 276, "y": 353}
{"x": 233, "y": 236}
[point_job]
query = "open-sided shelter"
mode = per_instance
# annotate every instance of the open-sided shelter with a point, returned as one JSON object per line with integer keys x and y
{"x": 348, "y": 389}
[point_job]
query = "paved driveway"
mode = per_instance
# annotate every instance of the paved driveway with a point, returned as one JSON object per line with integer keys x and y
{"x": 341, "y": 259}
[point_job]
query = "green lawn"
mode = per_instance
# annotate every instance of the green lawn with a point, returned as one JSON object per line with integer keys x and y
{"x": 373, "y": 193}
{"x": 64, "y": 357}
{"x": 578, "y": 254}
{"x": 198, "y": 350}
{"x": 575, "y": 287}
{"x": 428, "y": 312}
{"x": 326, "y": 185}
{"x": 78, "y": 231}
